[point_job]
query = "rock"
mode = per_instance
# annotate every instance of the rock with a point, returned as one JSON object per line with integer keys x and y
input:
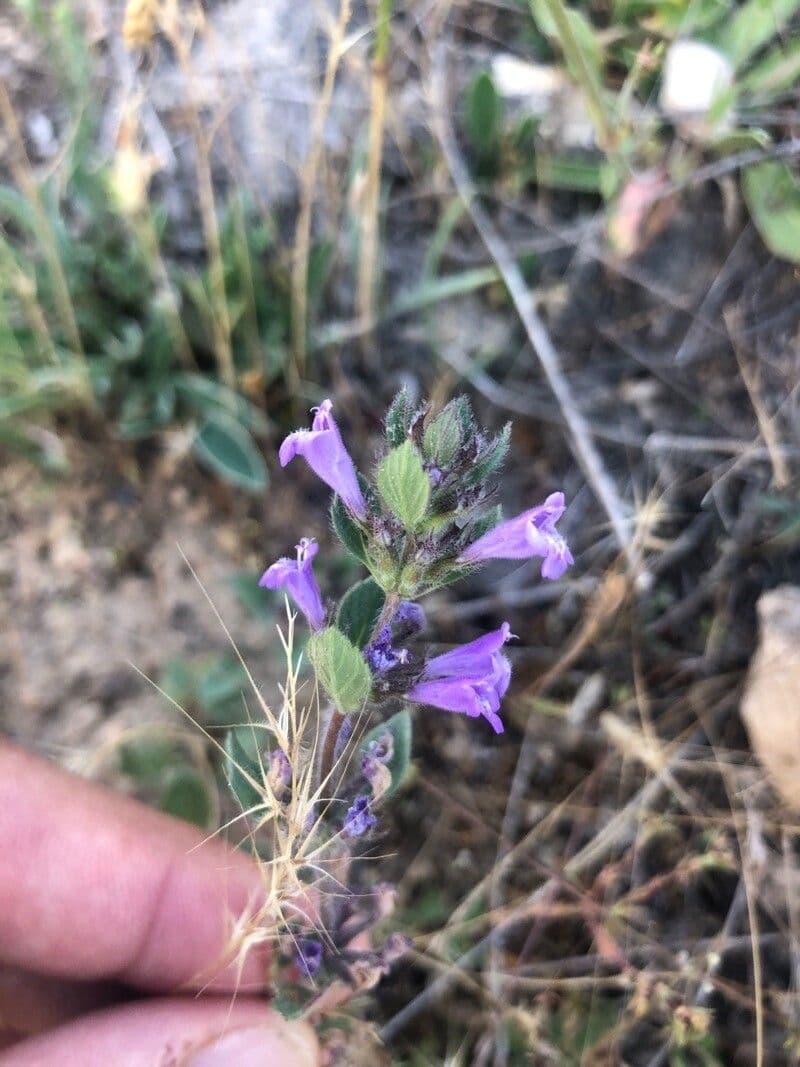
{"x": 260, "y": 65}
{"x": 695, "y": 78}
{"x": 771, "y": 704}
{"x": 545, "y": 90}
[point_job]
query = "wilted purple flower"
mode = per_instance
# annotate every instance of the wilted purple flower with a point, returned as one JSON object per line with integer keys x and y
{"x": 359, "y": 818}
{"x": 279, "y": 774}
{"x": 381, "y": 655}
{"x": 409, "y": 617}
{"x": 533, "y": 533}
{"x": 309, "y": 955}
{"x": 323, "y": 449}
{"x": 377, "y": 775}
{"x": 297, "y": 577}
{"x": 382, "y": 747}
{"x": 435, "y": 476}
{"x": 472, "y": 679}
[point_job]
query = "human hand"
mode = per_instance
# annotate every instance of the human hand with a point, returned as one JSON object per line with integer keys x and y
{"x": 101, "y": 897}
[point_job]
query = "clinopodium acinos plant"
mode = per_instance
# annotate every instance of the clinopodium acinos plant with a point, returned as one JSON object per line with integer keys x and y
{"x": 426, "y": 518}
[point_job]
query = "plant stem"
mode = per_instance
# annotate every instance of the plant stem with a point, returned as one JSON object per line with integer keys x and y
{"x": 332, "y": 730}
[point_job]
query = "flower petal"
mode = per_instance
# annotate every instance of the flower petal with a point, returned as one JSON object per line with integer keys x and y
{"x": 473, "y": 659}
{"x": 449, "y": 695}
{"x": 277, "y": 575}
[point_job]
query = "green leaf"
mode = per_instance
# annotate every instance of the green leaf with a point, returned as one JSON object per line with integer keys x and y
{"x": 290, "y": 1001}
{"x": 347, "y": 530}
{"x": 146, "y": 758}
{"x": 778, "y": 71}
{"x": 341, "y": 669}
{"x": 251, "y": 595}
{"x": 177, "y": 680}
{"x": 228, "y": 449}
{"x": 404, "y": 485}
{"x": 466, "y": 418}
{"x": 492, "y": 458}
{"x": 219, "y": 688}
{"x": 209, "y": 397}
{"x": 186, "y": 795}
{"x": 399, "y": 726}
{"x": 360, "y": 610}
{"x": 751, "y": 26}
{"x": 568, "y": 172}
{"x": 483, "y": 116}
{"x": 242, "y": 766}
{"x": 443, "y": 436}
{"x": 773, "y": 196}
{"x": 398, "y": 418}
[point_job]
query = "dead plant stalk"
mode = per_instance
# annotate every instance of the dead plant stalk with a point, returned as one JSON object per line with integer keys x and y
{"x": 368, "y": 253}
{"x": 174, "y": 29}
{"x": 308, "y": 184}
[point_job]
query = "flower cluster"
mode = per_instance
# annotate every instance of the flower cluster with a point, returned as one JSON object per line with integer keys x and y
{"x": 425, "y": 517}
{"x": 425, "y": 520}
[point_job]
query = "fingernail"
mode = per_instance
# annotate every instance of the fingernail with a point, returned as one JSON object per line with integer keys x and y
{"x": 278, "y": 1043}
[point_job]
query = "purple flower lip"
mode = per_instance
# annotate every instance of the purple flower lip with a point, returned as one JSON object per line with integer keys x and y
{"x": 471, "y": 680}
{"x": 309, "y": 955}
{"x": 359, "y": 818}
{"x": 381, "y": 655}
{"x": 533, "y": 533}
{"x": 324, "y": 451}
{"x": 296, "y": 576}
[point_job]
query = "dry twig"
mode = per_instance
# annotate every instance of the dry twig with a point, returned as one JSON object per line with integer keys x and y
{"x": 580, "y": 435}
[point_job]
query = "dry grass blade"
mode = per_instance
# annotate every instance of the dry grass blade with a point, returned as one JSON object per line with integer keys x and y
{"x": 617, "y": 832}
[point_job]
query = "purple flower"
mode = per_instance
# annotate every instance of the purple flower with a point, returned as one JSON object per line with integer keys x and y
{"x": 380, "y": 654}
{"x": 533, "y": 533}
{"x": 359, "y": 818}
{"x": 377, "y": 775}
{"x": 472, "y": 679}
{"x": 323, "y": 449}
{"x": 381, "y": 747}
{"x": 309, "y": 955}
{"x": 297, "y": 577}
